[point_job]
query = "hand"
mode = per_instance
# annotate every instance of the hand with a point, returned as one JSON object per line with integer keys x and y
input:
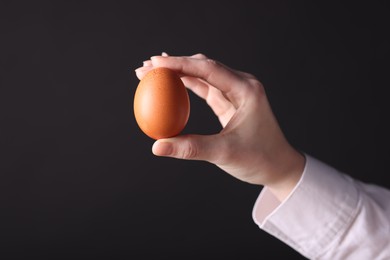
{"x": 251, "y": 145}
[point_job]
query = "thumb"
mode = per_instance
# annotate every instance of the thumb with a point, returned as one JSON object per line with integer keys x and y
{"x": 189, "y": 147}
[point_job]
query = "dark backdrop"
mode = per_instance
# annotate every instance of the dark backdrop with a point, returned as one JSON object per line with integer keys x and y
{"x": 77, "y": 177}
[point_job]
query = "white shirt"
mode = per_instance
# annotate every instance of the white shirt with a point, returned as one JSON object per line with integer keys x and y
{"x": 329, "y": 215}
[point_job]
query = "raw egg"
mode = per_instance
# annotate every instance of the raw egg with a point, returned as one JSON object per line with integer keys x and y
{"x": 161, "y": 104}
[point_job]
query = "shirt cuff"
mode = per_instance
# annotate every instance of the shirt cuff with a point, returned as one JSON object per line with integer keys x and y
{"x": 315, "y": 213}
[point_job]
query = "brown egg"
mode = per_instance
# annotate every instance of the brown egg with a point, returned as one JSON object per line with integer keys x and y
{"x": 161, "y": 104}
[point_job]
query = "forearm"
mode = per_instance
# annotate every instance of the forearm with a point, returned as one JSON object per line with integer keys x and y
{"x": 328, "y": 215}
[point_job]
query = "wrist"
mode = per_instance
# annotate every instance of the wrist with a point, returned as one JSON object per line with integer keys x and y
{"x": 289, "y": 175}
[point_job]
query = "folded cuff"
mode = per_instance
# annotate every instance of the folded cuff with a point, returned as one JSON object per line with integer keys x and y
{"x": 315, "y": 213}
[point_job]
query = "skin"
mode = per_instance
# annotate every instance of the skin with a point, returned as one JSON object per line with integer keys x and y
{"x": 251, "y": 145}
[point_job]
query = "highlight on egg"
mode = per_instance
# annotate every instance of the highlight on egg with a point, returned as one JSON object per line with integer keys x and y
{"x": 161, "y": 104}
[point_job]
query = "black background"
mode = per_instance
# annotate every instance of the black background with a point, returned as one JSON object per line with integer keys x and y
{"x": 77, "y": 177}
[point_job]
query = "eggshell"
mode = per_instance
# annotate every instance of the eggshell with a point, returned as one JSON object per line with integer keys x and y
{"x": 161, "y": 104}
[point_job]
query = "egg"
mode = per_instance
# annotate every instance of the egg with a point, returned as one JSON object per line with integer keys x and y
{"x": 161, "y": 104}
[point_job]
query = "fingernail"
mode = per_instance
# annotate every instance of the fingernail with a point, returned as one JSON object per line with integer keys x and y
{"x": 139, "y": 70}
{"x": 147, "y": 63}
{"x": 157, "y": 57}
{"x": 142, "y": 68}
{"x": 164, "y": 54}
{"x": 162, "y": 148}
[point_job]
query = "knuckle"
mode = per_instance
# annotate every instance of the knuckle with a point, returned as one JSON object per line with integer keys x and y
{"x": 200, "y": 56}
{"x": 211, "y": 62}
{"x": 256, "y": 87}
{"x": 250, "y": 76}
{"x": 256, "y": 84}
{"x": 190, "y": 150}
{"x": 211, "y": 67}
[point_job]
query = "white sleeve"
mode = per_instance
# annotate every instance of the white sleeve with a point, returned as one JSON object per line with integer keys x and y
{"x": 329, "y": 215}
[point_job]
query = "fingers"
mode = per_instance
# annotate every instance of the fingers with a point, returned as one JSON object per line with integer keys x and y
{"x": 214, "y": 73}
{"x": 190, "y": 147}
{"x": 201, "y": 74}
{"x": 196, "y": 85}
{"x": 221, "y": 106}
{"x": 141, "y": 71}
{"x": 147, "y": 65}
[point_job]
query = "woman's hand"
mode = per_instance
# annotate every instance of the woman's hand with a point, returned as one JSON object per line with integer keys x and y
{"x": 251, "y": 145}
